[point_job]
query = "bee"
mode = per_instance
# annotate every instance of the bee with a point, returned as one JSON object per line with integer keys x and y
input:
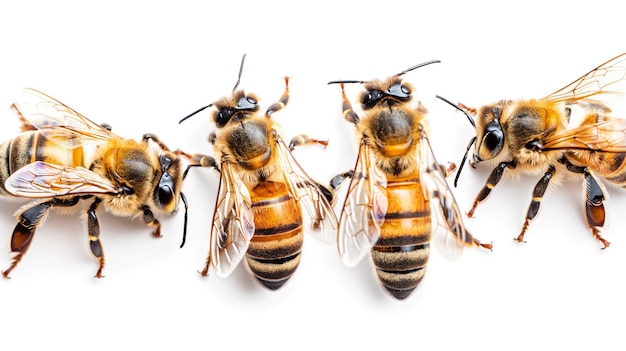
{"x": 398, "y": 200}
{"x": 569, "y": 133}
{"x": 61, "y": 158}
{"x": 265, "y": 199}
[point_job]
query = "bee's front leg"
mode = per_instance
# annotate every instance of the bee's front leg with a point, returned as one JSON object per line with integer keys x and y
{"x": 492, "y": 181}
{"x": 304, "y": 139}
{"x": 284, "y": 99}
{"x": 150, "y": 220}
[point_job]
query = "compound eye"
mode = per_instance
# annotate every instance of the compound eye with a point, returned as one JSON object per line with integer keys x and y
{"x": 493, "y": 140}
{"x": 220, "y": 118}
{"x": 405, "y": 89}
{"x": 166, "y": 195}
{"x": 366, "y": 98}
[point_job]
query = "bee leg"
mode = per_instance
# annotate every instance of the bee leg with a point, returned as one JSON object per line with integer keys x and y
{"x": 150, "y": 220}
{"x": 24, "y": 231}
{"x": 470, "y": 240}
{"x": 492, "y": 181}
{"x": 212, "y": 137}
{"x": 198, "y": 160}
{"x": 156, "y": 139}
{"x": 447, "y": 169}
{"x": 28, "y": 221}
{"x": 284, "y": 99}
{"x": 533, "y": 208}
{"x": 26, "y": 125}
{"x": 594, "y": 204}
{"x": 93, "y": 232}
{"x": 336, "y": 181}
{"x": 594, "y": 207}
{"x": 346, "y": 108}
{"x": 304, "y": 139}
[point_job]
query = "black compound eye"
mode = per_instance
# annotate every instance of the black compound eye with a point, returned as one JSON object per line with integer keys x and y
{"x": 493, "y": 140}
{"x": 165, "y": 195}
{"x": 366, "y": 97}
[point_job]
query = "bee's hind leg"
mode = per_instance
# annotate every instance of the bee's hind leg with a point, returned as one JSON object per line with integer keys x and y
{"x": 594, "y": 200}
{"x": 28, "y": 221}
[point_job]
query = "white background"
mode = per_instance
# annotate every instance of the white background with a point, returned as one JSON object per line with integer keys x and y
{"x": 142, "y": 67}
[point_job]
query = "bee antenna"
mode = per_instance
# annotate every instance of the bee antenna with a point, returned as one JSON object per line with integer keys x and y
{"x": 240, "y": 71}
{"x": 417, "y": 66}
{"x": 458, "y": 173}
{"x": 184, "y": 198}
{"x": 469, "y": 117}
{"x": 347, "y": 82}
{"x": 196, "y": 111}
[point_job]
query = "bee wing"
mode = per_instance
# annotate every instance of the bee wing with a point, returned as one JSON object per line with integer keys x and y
{"x": 608, "y": 136}
{"x": 319, "y": 220}
{"x": 364, "y": 209}
{"x": 449, "y": 233}
{"x": 600, "y": 84}
{"x": 41, "y": 180}
{"x": 233, "y": 223}
{"x": 45, "y": 112}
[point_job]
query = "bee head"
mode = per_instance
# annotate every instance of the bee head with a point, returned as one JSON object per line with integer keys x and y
{"x": 235, "y": 107}
{"x": 388, "y": 93}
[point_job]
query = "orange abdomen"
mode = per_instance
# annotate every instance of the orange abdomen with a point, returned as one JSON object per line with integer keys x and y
{"x": 275, "y": 248}
{"x": 32, "y": 146}
{"x": 402, "y": 250}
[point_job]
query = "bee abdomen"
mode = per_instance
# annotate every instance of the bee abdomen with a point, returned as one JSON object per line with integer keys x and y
{"x": 402, "y": 251}
{"x": 275, "y": 248}
{"x": 614, "y": 168}
{"x": 401, "y": 268}
{"x": 17, "y": 153}
{"x": 32, "y": 146}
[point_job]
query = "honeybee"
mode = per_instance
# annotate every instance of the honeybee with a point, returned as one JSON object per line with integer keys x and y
{"x": 265, "y": 199}
{"x": 398, "y": 199}
{"x": 61, "y": 158}
{"x": 567, "y": 133}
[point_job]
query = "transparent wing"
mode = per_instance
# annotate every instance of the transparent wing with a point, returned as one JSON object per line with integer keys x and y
{"x": 449, "y": 234}
{"x": 45, "y": 112}
{"x": 364, "y": 209}
{"x": 42, "y": 180}
{"x": 233, "y": 223}
{"x": 600, "y": 84}
{"x": 319, "y": 220}
{"x": 607, "y": 136}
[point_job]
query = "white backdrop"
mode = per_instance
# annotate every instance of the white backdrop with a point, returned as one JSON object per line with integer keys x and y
{"x": 142, "y": 67}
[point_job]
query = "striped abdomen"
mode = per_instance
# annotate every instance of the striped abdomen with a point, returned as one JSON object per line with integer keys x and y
{"x": 33, "y": 146}
{"x": 402, "y": 250}
{"x": 609, "y": 165}
{"x": 274, "y": 251}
